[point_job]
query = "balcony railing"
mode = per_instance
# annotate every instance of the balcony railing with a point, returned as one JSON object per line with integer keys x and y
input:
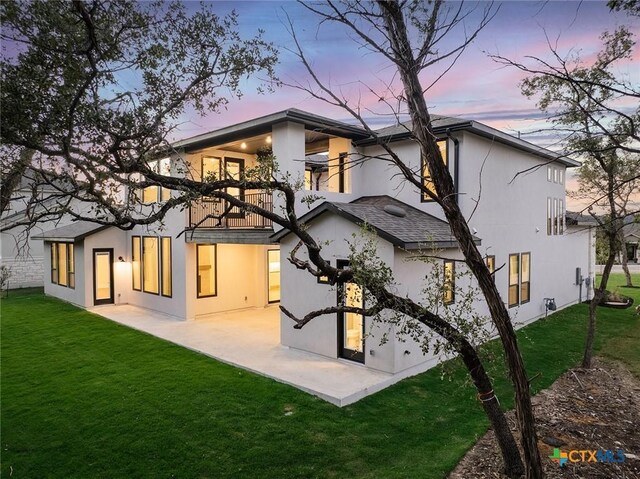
{"x": 209, "y": 213}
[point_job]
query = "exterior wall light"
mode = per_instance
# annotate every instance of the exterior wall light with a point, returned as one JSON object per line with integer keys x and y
{"x": 121, "y": 259}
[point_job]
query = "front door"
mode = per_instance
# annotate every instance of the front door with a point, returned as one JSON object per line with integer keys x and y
{"x": 350, "y": 325}
{"x": 102, "y": 276}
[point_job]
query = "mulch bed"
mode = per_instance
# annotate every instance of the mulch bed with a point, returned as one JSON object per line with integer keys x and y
{"x": 596, "y": 409}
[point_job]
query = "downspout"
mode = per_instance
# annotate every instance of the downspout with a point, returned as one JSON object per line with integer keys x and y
{"x": 456, "y": 155}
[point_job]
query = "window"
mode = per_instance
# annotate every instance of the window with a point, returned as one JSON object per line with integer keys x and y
{"x": 561, "y": 176}
{"x": 514, "y": 276}
{"x": 210, "y": 169}
{"x": 150, "y": 267}
{"x": 525, "y": 275}
{"x": 234, "y": 169}
{"x": 165, "y": 254}
{"x": 549, "y": 218}
{"x": 308, "y": 179}
{"x": 555, "y": 175}
{"x": 554, "y": 213}
{"x": 426, "y": 176}
{"x": 491, "y": 264}
{"x": 342, "y": 172}
{"x": 273, "y": 279}
{"x": 206, "y": 256}
{"x": 560, "y": 217}
{"x": 549, "y": 174}
{"x": 136, "y": 263}
{"x": 154, "y": 193}
{"x": 449, "y": 287}
{"x": 63, "y": 265}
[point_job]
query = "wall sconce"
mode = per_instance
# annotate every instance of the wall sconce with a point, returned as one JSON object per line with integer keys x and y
{"x": 269, "y": 139}
{"x": 121, "y": 259}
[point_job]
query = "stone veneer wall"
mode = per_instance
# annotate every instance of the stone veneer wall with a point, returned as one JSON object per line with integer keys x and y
{"x": 25, "y": 272}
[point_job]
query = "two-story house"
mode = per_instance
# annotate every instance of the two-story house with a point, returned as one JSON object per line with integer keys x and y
{"x": 512, "y": 192}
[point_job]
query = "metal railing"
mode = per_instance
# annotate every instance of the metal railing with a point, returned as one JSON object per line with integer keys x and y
{"x": 208, "y": 213}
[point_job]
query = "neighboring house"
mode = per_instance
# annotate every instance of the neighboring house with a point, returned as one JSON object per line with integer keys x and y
{"x": 631, "y": 233}
{"x": 240, "y": 262}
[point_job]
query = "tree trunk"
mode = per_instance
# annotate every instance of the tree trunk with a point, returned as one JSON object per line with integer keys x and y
{"x": 598, "y": 293}
{"x": 419, "y": 113}
{"x": 624, "y": 260}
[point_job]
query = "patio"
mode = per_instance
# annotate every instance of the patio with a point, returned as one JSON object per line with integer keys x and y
{"x": 250, "y": 339}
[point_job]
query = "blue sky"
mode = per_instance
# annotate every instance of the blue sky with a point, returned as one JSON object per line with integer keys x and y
{"x": 476, "y": 87}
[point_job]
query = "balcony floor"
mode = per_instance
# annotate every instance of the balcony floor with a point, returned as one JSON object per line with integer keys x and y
{"x": 250, "y": 339}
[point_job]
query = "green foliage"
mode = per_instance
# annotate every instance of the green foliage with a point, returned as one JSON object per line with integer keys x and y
{"x": 96, "y": 399}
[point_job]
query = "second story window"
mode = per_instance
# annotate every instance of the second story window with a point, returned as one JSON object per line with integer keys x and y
{"x": 157, "y": 194}
{"x": 555, "y": 216}
{"x": 449, "y": 293}
{"x": 342, "y": 173}
{"x": 426, "y": 176}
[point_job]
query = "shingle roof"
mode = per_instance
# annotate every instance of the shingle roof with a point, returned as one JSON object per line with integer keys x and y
{"x": 71, "y": 232}
{"x": 415, "y": 230}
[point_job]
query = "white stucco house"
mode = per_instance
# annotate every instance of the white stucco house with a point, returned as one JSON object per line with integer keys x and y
{"x": 240, "y": 263}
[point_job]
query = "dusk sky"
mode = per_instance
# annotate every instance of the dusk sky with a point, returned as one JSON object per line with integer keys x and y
{"x": 476, "y": 87}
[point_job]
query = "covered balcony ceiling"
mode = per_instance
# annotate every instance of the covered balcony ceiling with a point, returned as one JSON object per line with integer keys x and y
{"x": 315, "y": 142}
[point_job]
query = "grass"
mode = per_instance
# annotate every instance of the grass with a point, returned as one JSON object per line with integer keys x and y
{"x": 83, "y": 397}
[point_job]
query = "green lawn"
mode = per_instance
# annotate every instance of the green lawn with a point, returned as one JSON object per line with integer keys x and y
{"x": 85, "y": 397}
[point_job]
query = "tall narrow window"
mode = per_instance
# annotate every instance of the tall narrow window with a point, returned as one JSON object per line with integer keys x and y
{"x": 136, "y": 265}
{"x": 561, "y": 176}
{"x": 554, "y": 214}
{"x": 549, "y": 173}
{"x": 549, "y": 218}
{"x": 210, "y": 170}
{"x": 525, "y": 275}
{"x": 273, "y": 281}
{"x": 165, "y": 169}
{"x": 72, "y": 265}
{"x": 342, "y": 173}
{"x": 150, "y": 270}
{"x": 514, "y": 276}
{"x": 560, "y": 217}
{"x": 555, "y": 175}
{"x": 54, "y": 263}
{"x": 234, "y": 169}
{"x": 449, "y": 289}
{"x": 206, "y": 255}
{"x": 62, "y": 264}
{"x": 308, "y": 179}
{"x": 426, "y": 175}
{"x": 166, "y": 266}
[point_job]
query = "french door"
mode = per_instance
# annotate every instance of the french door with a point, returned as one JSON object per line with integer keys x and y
{"x": 102, "y": 276}
{"x": 350, "y": 325}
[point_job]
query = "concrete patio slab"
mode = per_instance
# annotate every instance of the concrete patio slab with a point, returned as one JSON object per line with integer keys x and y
{"x": 250, "y": 339}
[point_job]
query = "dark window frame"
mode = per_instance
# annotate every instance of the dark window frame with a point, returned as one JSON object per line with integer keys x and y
{"x": 133, "y": 287}
{"x": 55, "y": 263}
{"x": 517, "y": 285}
{"x": 528, "y": 283}
{"x": 215, "y": 276}
{"x": 358, "y": 357}
{"x": 161, "y": 269}
{"x": 158, "y": 262}
{"x": 241, "y": 192}
{"x": 342, "y": 171}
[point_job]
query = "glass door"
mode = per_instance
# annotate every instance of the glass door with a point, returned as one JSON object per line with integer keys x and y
{"x": 102, "y": 276}
{"x": 350, "y": 325}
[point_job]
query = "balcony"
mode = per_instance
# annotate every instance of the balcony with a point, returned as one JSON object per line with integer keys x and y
{"x": 209, "y": 213}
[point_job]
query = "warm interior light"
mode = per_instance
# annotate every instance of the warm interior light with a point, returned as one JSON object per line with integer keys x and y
{"x": 243, "y": 145}
{"x": 269, "y": 139}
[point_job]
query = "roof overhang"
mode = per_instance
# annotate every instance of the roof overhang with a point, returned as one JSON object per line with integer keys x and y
{"x": 72, "y": 232}
{"x": 264, "y": 124}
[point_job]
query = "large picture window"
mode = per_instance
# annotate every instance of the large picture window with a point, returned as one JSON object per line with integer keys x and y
{"x": 150, "y": 267}
{"x": 426, "y": 175}
{"x": 167, "y": 285}
{"x": 63, "y": 265}
{"x": 154, "y": 193}
{"x": 206, "y": 258}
